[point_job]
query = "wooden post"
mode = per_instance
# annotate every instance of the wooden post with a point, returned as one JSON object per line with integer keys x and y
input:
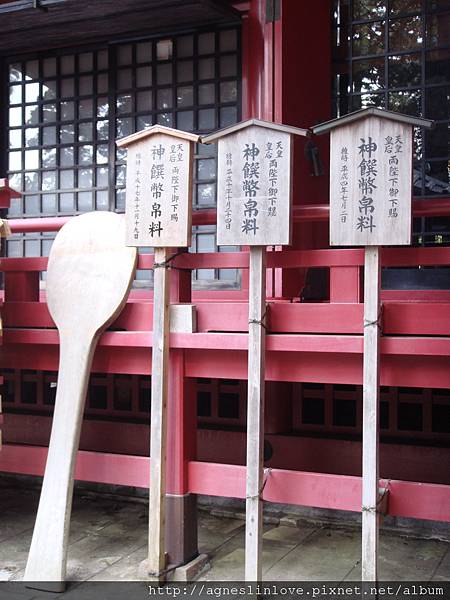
{"x": 255, "y": 414}
{"x": 371, "y": 386}
{"x": 158, "y": 212}
{"x": 254, "y": 205}
{"x": 158, "y": 427}
{"x": 370, "y": 205}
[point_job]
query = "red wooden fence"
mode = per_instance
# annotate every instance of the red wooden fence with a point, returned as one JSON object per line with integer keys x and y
{"x": 315, "y": 342}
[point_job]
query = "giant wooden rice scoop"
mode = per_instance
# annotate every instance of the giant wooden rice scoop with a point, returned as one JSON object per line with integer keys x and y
{"x": 90, "y": 271}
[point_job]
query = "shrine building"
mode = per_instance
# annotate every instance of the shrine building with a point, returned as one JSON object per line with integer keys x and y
{"x": 77, "y": 76}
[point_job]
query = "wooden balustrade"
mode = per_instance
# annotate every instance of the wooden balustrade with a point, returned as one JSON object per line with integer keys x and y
{"x": 313, "y": 341}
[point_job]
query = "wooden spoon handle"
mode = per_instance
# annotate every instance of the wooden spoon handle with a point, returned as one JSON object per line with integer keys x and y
{"x": 47, "y": 557}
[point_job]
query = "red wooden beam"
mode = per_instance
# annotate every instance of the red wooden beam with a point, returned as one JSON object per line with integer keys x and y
{"x": 321, "y": 490}
{"x": 399, "y": 318}
{"x": 332, "y": 344}
{"x": 296, "y": 453}
{"x": 290, "y": 259}
{"x": 17, "y": 265}
{"x": 337, "y": 359}
{"x": 306, "y": 213}
{"x": 322, "y": 367}
{"x": 115, "y": 469}
{"x": 410, "y": 257}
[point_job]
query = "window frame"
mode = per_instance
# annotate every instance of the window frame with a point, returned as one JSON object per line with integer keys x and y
{"x": 113, "y": 163}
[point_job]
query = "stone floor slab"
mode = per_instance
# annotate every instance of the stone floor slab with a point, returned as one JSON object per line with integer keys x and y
{"x": 326, "y": 554}
{"x": 403, "y": 559}
{"x": 289, "y": 535}
{"x": 108, "y": 541}
{"x": 442, "y": 572}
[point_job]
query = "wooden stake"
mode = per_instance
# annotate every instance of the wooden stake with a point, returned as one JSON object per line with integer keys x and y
{"x": 371, "y": 386}
{"x": 158, "y": 427}
{"x": 255, "y": 414}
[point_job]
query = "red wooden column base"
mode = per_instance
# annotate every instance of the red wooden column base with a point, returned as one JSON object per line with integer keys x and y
{"x": 6, "y": 194}
{"x": 181, "y": 505}
{"x": 181, "y": 529}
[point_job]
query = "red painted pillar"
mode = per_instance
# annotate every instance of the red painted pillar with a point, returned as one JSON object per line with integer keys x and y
{"x": 256, "y": 81}
{"x": 181, "y": 506}
{"x": 253, "y": 55}
{"x": 262, "y": 67}
{"x": 302, "y": 97}
{"x": 345, "y": 284}
{"x": 286, "y": 78}
{"x": 6, "y": 193}
{"x": 22, "y": 286}
{"x": 278, "y": 409}
{"x": 258, "y": 97}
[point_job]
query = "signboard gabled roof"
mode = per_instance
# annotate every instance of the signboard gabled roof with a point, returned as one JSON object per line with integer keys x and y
{"x": 4, "y": 187}
{"x": 212, "y": 137}
{"x": 367, "y": 112}
{"x": 142, "y": 135}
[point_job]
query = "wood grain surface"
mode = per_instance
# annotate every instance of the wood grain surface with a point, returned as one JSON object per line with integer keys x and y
{"x": 89, "y": 275}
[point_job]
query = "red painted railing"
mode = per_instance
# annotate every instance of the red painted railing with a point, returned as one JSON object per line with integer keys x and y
{"x": 319, "y": 212}
{"x": 293, "y": 325}
{"x": 315, "y": 342}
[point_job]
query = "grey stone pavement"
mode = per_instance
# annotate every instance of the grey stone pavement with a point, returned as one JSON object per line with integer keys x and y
{"x": 108, "y": 541}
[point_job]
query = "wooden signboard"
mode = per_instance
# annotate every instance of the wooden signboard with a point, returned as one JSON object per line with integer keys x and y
{"x": 254, "y": 186}
{"x": 158, "y": 214}
{"x": 159, "y": 180}
{"x": 370, "y": 177}
{"x": 370, "y": 205}
{"x": 254, "y": 209}
{"x": 371, "y": 163}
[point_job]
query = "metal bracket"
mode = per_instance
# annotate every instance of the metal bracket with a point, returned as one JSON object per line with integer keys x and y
{"x": 273, "y": 10}
{"x": 383, "y": 500}
{"x": 37, "y": 4}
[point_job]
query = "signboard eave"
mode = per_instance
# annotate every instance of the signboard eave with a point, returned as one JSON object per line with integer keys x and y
{"x": 155, "y": 129}
{"x": 364, "y": 113}
{"x": 221, "y": 133}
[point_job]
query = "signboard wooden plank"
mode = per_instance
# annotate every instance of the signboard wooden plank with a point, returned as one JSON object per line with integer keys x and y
{"x": 254, "y": 188}
{"x": 158, "y": 215}
{"x": 254, "y": 200}
{"x": 371, "y": 171}
{"x": 370, "y": 205}
{"x": 371, "y": 177}
{"x": 159, "y": 188}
